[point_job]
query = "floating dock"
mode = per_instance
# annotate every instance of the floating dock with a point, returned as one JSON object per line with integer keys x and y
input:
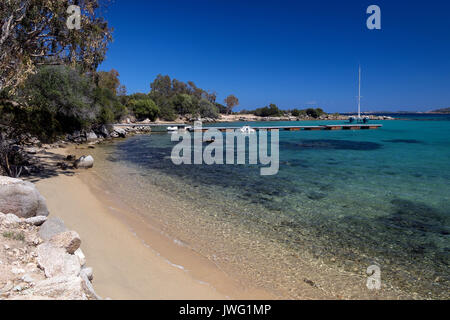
{"x": 297, "y": 128}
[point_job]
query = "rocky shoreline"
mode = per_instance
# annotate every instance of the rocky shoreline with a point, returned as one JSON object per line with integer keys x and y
{"x": 40, "y": 258}
{"x": 251, "y": 118}
{"x": 30, "y": 164}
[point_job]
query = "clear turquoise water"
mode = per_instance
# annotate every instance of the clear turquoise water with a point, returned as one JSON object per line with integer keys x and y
{"x": 349, "y": 198}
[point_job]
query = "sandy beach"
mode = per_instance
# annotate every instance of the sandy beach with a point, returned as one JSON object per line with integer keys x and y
{"x": 127, "y": 266}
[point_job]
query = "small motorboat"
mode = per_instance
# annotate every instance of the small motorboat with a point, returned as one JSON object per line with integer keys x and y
{"x": 172, "y": 129}
{"x": 247, "y": 130}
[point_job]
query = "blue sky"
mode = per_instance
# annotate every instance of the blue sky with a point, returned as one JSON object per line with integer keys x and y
{"x": 292, "y": 53}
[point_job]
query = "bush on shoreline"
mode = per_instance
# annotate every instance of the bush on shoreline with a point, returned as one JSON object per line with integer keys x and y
{"x": 59, "y": 100}
{"x": 144, "y": 108}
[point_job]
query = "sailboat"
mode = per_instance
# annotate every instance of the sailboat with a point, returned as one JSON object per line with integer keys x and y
{"x": 359, "y": 119}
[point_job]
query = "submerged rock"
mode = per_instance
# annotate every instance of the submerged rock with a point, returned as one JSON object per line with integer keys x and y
{"x": 21, "y": 198}
{"x": 313, "y": 195}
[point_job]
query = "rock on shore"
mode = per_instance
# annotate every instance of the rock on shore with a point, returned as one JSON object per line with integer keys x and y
{"x": 21, "y": 198}
{"x": 84, "y": 162}
{"x": 40, "y": 258}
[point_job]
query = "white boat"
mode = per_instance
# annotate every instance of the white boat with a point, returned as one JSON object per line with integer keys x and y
{"x": 172, "y": 129}
{"x": 247, "y": 130}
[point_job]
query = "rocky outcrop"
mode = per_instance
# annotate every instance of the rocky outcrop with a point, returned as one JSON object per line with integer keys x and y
{"x": 56, "y": 261}
{"x": 32, "y": 268}
{"x": 21, "y": 198}
{"x": 55, "y": 288}
{"x": 39, "y": 258}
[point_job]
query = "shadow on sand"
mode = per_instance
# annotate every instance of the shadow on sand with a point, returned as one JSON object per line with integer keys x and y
{"x": 50, "y": 164}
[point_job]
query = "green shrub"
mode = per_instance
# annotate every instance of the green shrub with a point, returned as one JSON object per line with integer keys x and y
{"x": 184, "y": 104}
{"x": 270, "y": 111}
{"x": 145, "y": 108}
{"x": 64, "y": 92}
{"x": 19, "y": 236}
{"x": 208, "y": 110}
{"x": 111, "y": 109}
{"x": 312, "y": 113}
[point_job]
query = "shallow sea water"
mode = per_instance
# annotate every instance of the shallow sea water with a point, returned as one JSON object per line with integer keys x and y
{"x": 342, "y": 200}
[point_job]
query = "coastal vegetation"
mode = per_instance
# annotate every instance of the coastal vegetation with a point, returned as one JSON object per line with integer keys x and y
{"x": 50, "y": 86}
{"x": 273, "y": 111}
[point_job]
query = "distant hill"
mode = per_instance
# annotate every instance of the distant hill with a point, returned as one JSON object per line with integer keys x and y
{"x": 444, "y": 110}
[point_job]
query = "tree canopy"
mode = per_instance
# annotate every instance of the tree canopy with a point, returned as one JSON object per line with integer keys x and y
{"x": 34, "y": 32}
{"x": 231, "y": 101}
{"x": 175, "y": 97}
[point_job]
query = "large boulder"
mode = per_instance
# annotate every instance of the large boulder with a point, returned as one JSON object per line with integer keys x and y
{"x": 104, "y": 131}
{"x": 84, "y": 162}
{"x": 91, "y": 136}
{"x": 56, "y": 261}
{"x": 21, "y": 198}
{"x": 52, "y": 227}
{"x": 60, "y": 288}
{"x": 118, "y": 133}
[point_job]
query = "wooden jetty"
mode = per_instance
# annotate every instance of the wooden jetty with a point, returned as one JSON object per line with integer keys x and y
{"x": 162, "y": 127}
{"x": 155, "y": 127}
{"x": 296, "y": 128}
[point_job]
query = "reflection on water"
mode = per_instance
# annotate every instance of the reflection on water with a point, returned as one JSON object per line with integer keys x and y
{"x": 345, "y": 199}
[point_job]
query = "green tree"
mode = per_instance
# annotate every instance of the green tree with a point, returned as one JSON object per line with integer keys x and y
{"x": 34, "y": 32}
{"x": 64, "y": 92}
{"x": 109, "y": 80}
{"x": 231, "y": 101}
{"x": 111, "y": 108}
{"x": 54, "y": 101}
{"x": 145, "y": 108}
{"x": 312, "y": 113}
{"x": 208, "y": 110}
{"x": 295, "y": 112}
{"x": 184, "y": 104}
{"x": 270, "y": 111}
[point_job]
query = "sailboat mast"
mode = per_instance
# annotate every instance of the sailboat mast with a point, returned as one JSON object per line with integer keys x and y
{"x": 359, "y": 94}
